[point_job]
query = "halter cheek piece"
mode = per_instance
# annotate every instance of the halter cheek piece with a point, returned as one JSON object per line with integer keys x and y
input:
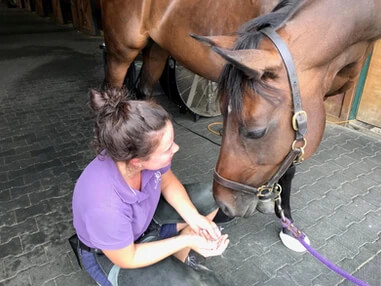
{"x": 299, "y": 123}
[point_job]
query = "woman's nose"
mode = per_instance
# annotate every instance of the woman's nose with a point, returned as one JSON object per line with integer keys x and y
{"x": 175, "y": 148}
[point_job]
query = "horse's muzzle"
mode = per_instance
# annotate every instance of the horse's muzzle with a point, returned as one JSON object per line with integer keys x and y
{"x": 244, "y": 206}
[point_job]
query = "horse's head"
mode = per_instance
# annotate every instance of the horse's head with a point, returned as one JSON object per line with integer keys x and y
{"x": 264, "y": 118}
{"x": 257, "y": 90}
{"x": 260, "y": 125}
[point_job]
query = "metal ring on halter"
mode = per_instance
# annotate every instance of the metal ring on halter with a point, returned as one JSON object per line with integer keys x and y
{"x": 278, "y": 190}
{"x": 294, "y": 119}
{"x": 262, "y": 189}
{"x": 302, "y": 147}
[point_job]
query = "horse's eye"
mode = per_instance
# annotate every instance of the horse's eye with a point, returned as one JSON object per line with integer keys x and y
{"x": 269, "y": 75}
{"x": 252, "y": 133}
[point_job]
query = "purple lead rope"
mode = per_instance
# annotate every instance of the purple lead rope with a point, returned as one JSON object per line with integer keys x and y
{"x": 286, "y": 223}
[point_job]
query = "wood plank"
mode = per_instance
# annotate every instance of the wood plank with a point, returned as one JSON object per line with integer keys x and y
{"x": 74, "y": 13}
{"x": 19, "y": 3}
{"x": 28, "y": 5}
{"x": 57, "y": 12}
{"x": 370, "y": 104}
{"x": 40, "y": 8}
{"x": 83, "y": 16}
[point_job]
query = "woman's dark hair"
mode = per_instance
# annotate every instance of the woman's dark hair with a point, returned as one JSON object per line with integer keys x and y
{"x": 125, "y": 128}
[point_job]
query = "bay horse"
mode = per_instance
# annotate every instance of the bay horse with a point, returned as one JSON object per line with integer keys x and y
{"x": 328, "y": 41}
{"x": 161, "y": 28}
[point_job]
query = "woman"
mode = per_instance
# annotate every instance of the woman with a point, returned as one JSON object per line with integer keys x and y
{"x": 116, "y": 196}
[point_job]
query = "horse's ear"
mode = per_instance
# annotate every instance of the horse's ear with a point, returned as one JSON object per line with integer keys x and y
{"x": 225, "y": 42}
{"x": 252, "y": 62}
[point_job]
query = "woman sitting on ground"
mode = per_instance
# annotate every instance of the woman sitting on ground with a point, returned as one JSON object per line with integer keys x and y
{"x": 116, "y": 197}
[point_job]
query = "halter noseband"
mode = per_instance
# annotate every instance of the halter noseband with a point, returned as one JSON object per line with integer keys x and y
{"x": 299, "y": 123}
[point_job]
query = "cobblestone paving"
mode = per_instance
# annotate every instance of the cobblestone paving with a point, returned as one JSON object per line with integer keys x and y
{"x": 45, "y": 129}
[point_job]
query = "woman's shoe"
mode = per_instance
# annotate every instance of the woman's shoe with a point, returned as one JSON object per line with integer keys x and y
{"x": 221, "y": 218}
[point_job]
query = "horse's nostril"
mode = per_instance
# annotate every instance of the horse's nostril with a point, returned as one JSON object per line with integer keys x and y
{"x": 225, "y": 209}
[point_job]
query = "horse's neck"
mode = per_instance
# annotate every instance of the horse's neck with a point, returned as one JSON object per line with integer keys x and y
{"x": 323, "y": 28}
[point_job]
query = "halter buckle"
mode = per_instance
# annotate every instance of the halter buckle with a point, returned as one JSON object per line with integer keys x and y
{"x": 295, "y": 119}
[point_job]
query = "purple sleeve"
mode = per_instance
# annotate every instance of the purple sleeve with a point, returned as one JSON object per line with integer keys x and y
{"x": 108, "y": 229}
{"x": 165, "y": 169}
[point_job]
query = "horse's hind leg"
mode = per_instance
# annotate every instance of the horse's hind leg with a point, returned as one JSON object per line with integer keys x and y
{"x": 154, "y": 59}
{"x": 117, "y": 66}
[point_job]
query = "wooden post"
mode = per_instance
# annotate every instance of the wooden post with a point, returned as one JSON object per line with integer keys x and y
{"x": 57, "y": 13}
{"x": 20, "y": 4}
{"x": 84, "y": 16}
{"x": 43, "y": 8}
{"x": 28, "y": 5}
{"x": 62, "y": 11}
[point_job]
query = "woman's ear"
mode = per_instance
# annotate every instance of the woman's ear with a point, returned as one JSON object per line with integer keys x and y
{"x": 136, "y": 162}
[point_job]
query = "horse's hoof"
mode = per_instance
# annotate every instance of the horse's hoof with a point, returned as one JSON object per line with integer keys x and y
{"x": 265, "y": 206}
{"x": 292, "y": 243}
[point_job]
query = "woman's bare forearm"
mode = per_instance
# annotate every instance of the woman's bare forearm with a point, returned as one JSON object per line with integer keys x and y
{"x": 145, "y": 254}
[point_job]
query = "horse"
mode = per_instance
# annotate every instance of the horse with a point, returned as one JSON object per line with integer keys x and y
{"x": 164, "y": 28}
{"x": 161, "y": 28}
{"x": 264, "y": 121}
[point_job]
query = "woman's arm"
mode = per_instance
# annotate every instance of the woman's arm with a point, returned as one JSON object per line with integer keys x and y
{"x": 145, "y": 254}
{"x": 176, "y": 195}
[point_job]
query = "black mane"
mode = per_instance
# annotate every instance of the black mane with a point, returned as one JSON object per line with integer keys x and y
{"x": 233, "y": 80}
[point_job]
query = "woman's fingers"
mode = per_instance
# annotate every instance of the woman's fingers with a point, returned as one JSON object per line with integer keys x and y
{"x": 214, "y": 231}
{"x": 216, "y": 251}
{"x": 212, "y": 247}
{"x": 205, "y": 234}
{"x": 203, "y": 223}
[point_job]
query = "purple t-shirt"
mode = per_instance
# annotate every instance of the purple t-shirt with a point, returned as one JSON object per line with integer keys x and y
{"x": 107, "y": 212}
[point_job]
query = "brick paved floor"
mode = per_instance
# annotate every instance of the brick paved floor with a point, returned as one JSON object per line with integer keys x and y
{"x": 45, "y": 128}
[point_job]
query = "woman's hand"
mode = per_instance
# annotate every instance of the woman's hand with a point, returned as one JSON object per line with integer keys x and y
{"x": 209, "y": 248}
{"x": 204, "y": 227}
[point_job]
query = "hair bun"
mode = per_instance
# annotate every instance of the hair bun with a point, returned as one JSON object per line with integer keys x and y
{"x": 111, "y": 97}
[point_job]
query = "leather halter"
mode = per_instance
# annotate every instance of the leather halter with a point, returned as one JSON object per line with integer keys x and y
{"x": 299, "y": 123}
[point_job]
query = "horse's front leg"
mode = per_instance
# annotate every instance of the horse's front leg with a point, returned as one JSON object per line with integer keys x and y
{"x": 285, "y": 182}
{"x": 286, "y": 236}
{"x": 154, "y": 59}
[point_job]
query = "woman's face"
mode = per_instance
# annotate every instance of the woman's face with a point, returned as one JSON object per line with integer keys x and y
{"x": 164, "y": 152}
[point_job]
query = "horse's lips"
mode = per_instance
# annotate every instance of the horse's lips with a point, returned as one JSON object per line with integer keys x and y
{"x": 251, "y": 209}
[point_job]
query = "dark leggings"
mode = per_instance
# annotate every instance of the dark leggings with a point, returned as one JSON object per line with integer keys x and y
{"x": 169, "y": 271}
